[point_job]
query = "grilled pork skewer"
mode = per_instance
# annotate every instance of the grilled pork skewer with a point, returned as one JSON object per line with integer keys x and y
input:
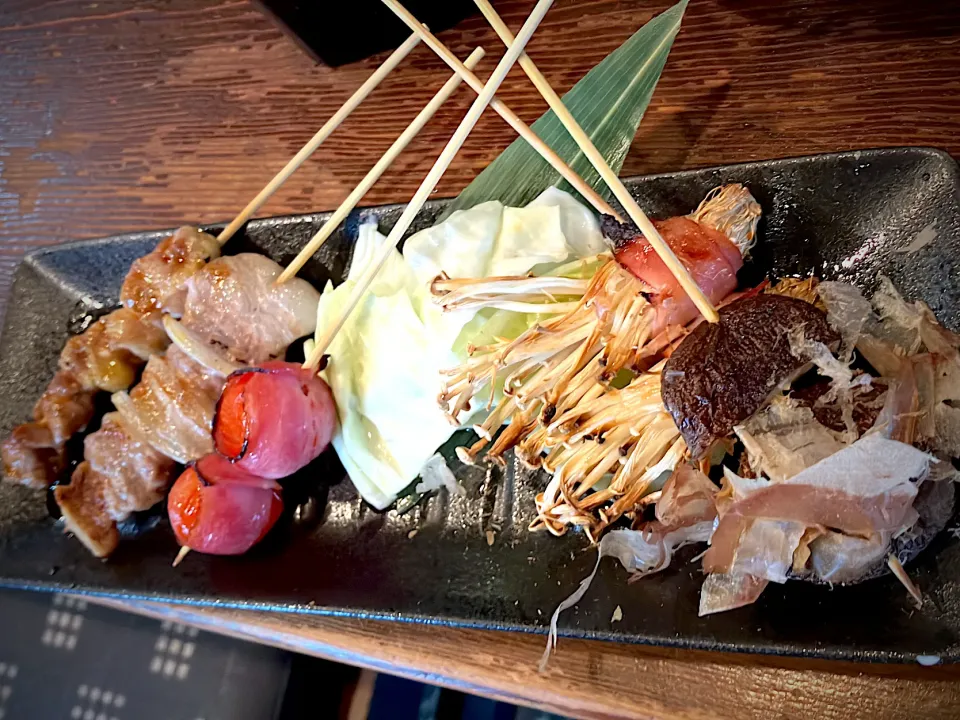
{"x": 105, "y": 357}
{"x": 231, "y": 307}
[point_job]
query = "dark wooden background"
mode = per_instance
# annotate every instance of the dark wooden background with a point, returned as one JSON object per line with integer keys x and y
{"x": 120, "y": 115}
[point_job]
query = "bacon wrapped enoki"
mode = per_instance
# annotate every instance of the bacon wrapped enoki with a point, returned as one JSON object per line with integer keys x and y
{"x": 105, "y": 357}
{"x": 560, "y": 372}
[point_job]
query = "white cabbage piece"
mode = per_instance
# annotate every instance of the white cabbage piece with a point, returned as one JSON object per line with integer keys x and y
{"x": 461, "y": 246}
{"x": 385, "y": 362}
{"x": 579, "y": 225}
{"x": 491, "y": 239}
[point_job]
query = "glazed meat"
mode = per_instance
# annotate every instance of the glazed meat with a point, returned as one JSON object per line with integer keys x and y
{"x": 121, "y": 473}
{"x": 128, "y": 462}
{"x": 156, "y": 281}
{"x": 167, "y": 417}
{"x": 172, "y": 406}
{"x": 711, "y": 243}
{"x": 34, "y": 453}
{"x": 106, "y": 356}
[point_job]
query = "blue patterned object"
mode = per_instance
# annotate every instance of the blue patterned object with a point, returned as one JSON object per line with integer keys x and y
{"x": 63, "y": 657}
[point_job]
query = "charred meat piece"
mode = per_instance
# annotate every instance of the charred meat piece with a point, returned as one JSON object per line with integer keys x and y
{"x": 121, "y": 473}
{"x": 167, "y": 417}
{"x": 172, "y": 406}
{"x": 724, "y": 372}
{"x": 106, "y": 356}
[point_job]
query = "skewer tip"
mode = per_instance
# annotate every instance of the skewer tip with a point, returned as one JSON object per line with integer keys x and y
{"x": 184, "y": 551}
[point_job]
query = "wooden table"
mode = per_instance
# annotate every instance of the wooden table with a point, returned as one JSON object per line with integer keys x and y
{"x": 118, "y": 116}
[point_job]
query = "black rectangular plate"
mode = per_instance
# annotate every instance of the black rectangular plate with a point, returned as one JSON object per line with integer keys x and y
{"x": 840, "y": 216}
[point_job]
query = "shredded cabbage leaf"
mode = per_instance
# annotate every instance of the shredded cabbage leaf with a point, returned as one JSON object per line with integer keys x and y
{"x": 385, "y": 362}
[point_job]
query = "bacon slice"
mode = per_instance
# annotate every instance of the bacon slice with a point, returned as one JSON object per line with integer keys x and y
{"x": 712, "y": 259}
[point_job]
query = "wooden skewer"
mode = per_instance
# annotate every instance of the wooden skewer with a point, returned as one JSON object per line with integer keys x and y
{"x": 377, "y": 170}
{"x": 184, "y": 551}
{"x": 322, "y": 134}
{"x": 606, "y": 172}
{"x": 431, "y": 180}
{"x": 524, "y": 130}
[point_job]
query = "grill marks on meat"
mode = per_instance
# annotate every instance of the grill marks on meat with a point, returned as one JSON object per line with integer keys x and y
{"x": 722, "y": 373}
{"x": 121, "y": 474}
{"x": 105, "y": 357}
{"x": 129, "y": 461}
{"x": 34, "y": 454}
{"x": 167, "y": 417}
{"x": 156, "y": 281}
{"x": 172, "y": 406}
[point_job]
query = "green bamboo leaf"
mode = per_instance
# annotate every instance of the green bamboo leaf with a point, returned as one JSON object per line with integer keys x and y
{"x": 608, "y": 102}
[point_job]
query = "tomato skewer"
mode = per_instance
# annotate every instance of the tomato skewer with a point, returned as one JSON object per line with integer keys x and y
{"x": 270, "y": 421}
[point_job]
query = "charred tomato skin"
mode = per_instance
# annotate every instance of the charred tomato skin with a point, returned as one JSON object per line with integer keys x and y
{"x": 274, "y": 419}
{"x": 220, "y": 516}
{"x": 184, "y": 504}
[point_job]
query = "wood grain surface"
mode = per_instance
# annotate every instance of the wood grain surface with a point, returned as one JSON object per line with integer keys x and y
{"x": 119, "y": 115}
{"x": 598, "y": 680}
